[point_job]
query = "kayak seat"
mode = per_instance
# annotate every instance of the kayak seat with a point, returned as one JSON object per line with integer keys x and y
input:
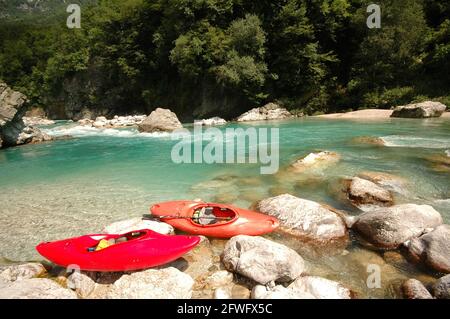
{"x": 211, "y": 215}
{"x": 105, "y": 243}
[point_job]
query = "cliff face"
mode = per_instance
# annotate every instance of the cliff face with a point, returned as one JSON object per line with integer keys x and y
{"x": 89, "y": 95}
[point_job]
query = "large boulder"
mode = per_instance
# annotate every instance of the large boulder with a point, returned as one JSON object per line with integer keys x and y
{"x": 167, "y": 283}
{"x": 419, "y": 110}
{"x": 12, "y": 109}
{"x": 270, "y": 111}
{"x": 304, "y": 218}
{"x": 414, "y": 289}
{"x": 441, "y": 288}
{"x": 433, "y": 249}
{"x": 128, "y": 225}
{"x": 21, "y": 272}
{"x": 262, "y": 260}
{"x": 13, "y": 130}
{"x": 35, "y": 288}
{"x": 363, "y": 192}
{"x": 160, "y": 120}
{"x": 305, "y": 287}
{"x": 389, "y": 227}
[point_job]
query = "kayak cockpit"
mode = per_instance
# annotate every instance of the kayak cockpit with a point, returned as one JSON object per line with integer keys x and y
{"x": 212, "y": 215}
{"x": 106, "y": 241}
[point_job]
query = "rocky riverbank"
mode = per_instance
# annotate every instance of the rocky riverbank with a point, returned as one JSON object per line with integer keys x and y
{"x": 266, "y": 267}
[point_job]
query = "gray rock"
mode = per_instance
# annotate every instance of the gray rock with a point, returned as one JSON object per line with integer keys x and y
{"x": 211, "y": 121}
{"x": 81, "y": 283}
{"x": 364, "y": 192}
{"x": 304, "y": 218}
{"x": 35, "y": 288}
{"x": 34, "y": 120}
{"x": 21, "y": 272}
{"x": 389, "y": 227}
{"x": 433, "y": 249}
{"x": 278, "y": 292}
{"x": 167, "y": 283}
{"x": 419, "y": 110}
{"x": 12, "y": 109}
{"x": 414, "y": 289}
{"x": 128, "y": 225}
{"x": 305, "y": 287}
{"x": 222, "y": 293}
{"x": 320, "y": 288}
{"x": 13, "y": 130}
{"x": 262, "y": 260}
{"x": 160, "y": 120}
{"x": 219, "y": 279}
{"x": 441, "y": 289}
{"x": 270, "y": 111}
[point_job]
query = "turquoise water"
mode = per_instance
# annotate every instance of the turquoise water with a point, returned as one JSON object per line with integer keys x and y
{"x": 72, "y": 186}
{"x": 76, "y": 186}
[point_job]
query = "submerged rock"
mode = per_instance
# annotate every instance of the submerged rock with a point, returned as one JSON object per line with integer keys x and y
{"x": 270, "y": 111}
{"x": 219, "y": 279}
{"x": 441, "y": 289}
{"x": 390, "y": 227}
{"x": 262, "y": 260}
{"x": 439, "y": 162}
{"x": 21, "y": 272}
{"x": 368, "y": 140}
{"x": 414, "y": 289}
{"x": 363, "y": 192}
{"x": 160, "y": 120}
{"x": 387, "y": 181}
{"x": 126, "y": 226}
{"x": 305, "y": 287}
{"x": 304, "y": 218}
{"x": 315, "y": 160}
{"x": 419, "y": 110}
{"x": 167, "y": 283}
{"x": 433, "y": 249}
{"x": 35, "y": 288}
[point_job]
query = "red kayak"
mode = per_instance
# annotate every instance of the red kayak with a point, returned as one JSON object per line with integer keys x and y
{"x": 132, "y": 251}
{"x": 213, "y": 220}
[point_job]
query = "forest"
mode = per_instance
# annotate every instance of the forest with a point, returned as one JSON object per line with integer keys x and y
{"x": 221, "y": 57}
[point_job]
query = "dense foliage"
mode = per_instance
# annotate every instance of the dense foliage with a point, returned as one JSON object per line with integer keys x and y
{"x": 221, "y": 57}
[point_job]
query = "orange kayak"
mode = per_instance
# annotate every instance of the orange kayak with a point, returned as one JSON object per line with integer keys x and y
{"x": 213, "y": 220}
